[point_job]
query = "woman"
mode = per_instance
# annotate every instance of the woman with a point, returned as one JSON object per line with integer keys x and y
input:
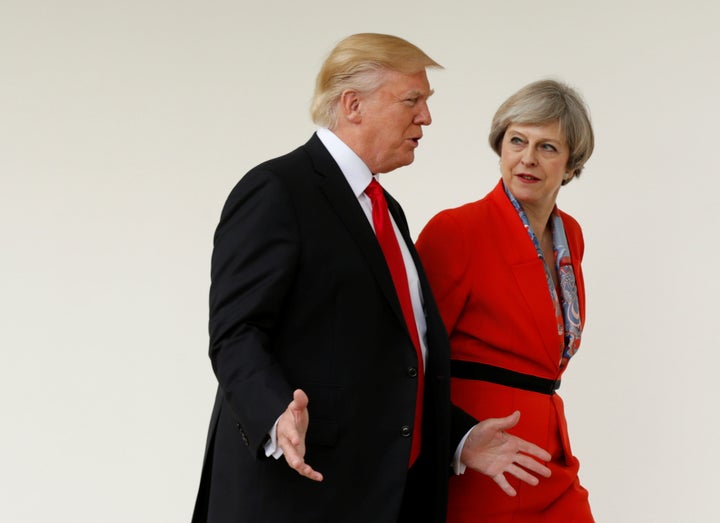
{"x": 505, "y": 271}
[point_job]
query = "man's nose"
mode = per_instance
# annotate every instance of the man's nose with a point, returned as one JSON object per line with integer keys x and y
{"x": 423, "y": 116}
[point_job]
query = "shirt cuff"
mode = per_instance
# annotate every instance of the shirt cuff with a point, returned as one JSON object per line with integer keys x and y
{"x": 271, "y": 446}
{"x": 457, "y": 465}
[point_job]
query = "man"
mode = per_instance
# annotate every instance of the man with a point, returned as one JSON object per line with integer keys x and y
{"x": 324, "y": 341}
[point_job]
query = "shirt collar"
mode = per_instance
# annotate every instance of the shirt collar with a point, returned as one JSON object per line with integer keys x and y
{"x": 356, "y": 173}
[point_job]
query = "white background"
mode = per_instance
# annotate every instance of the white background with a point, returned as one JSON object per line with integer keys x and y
{"x": 124, "y": 124}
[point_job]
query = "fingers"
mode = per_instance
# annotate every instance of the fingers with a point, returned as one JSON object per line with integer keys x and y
{"x": 293, "y": 451}
{"x": 506, "y": 487}
{"x": 522, "y": 474}
{"x": 533, "y": 450}
{"x": 533, "y": 465}
{"x": 297, "y": 463}
{"x": 307, "y": 471}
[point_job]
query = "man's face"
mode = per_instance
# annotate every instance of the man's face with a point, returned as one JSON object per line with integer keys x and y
{"x": 392, "y": 119}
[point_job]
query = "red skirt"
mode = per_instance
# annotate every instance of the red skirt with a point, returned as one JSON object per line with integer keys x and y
{"x": 474, "y": 497}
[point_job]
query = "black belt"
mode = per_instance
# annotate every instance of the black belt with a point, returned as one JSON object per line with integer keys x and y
{"x": 470, "y": 370}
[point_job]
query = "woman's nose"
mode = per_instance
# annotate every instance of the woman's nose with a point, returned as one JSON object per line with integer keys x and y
{"x": 528, "y": 157}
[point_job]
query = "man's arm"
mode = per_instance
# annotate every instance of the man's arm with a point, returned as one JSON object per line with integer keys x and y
{"x": 253, "y": 266}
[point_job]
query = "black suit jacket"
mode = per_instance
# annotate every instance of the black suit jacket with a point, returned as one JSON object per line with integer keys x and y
{"x": 301, "y": 297}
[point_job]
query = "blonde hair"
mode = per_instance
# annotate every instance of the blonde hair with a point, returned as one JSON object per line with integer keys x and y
{"x": 357, "y": 63}
{"x": 543, "y": 102}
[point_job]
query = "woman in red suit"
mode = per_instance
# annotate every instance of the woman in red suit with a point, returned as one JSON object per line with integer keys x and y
{"x": 505, "y": 272}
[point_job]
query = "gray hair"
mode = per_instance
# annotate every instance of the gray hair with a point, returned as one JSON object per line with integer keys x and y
{"x": 547, "y": 101}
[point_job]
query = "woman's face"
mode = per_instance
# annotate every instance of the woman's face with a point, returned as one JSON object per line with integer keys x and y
{"x": 533, "y": 161}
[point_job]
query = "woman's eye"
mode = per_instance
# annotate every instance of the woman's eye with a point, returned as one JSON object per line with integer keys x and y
{"x": 549, "y": 147}
{"x": 515, "y": 140}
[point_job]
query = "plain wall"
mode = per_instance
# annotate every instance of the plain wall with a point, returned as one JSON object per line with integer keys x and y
{"x": 123, "y": 126}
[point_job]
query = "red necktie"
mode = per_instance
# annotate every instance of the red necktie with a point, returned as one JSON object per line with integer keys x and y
{"x": 393, "y": 256}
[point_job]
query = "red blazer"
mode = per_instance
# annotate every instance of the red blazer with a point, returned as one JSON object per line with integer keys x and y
{"x": 491, "y": 289}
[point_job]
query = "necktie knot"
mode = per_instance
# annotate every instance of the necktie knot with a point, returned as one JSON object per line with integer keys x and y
{"x": 380, "y": 215}
{"x": 374, "y": 190}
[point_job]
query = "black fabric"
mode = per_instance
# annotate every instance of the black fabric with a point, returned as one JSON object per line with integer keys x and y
{"x": 471, "y": 370}
{"x": 301, "y": 297}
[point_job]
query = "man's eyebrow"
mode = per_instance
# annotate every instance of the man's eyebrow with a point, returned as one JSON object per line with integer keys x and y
{"x": 418, "y": 93}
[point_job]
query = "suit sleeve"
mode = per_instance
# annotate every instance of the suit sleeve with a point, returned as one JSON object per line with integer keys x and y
{"x": 253, "y": 264}
{"x": 445, "y": 257}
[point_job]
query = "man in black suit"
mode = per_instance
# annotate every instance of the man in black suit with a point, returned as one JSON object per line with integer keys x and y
{"x": 319, "y": 374}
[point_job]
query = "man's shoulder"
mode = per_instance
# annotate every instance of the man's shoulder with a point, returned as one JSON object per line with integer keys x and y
{"x": 288, "y": 162}
{"x": 290, "y": 173}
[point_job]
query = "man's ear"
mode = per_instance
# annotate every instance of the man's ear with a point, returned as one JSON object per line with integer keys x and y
{"x": 350, "y": 104}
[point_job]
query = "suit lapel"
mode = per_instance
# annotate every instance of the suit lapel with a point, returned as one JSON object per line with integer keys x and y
{"x": 529, "y": 275}
{"x": 534, "y": 290}
{"x": 346, "y": 206}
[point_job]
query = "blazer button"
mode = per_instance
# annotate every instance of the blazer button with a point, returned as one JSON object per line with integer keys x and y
{"x": 412, "y": 372}
{"x": 244, "y": 436}
{"x": 405, "y": 431}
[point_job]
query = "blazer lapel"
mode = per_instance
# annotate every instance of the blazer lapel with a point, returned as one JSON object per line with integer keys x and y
{"x": 534, "y": 291}
{"x": 347, "y": 207}
{"x": 529, "y": 275}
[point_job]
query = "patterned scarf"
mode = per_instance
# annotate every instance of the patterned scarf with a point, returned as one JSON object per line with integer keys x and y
{"x": 567, "y": 307}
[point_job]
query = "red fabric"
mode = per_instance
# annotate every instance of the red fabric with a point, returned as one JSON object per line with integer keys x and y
{"x": 492, "y": 293}
{"x": 393, "y": 256}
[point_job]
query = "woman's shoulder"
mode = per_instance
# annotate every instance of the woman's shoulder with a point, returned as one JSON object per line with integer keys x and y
{"x": 570, "y": 223}
{"x": 466, "y": 213}
{"x": 455, "y": 222}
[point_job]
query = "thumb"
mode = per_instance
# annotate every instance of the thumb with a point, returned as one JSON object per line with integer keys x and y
{"x": 508, "y": 422}
{"x": 300, "y": 399}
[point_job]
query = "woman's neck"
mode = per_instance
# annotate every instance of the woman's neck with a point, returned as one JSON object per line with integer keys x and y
{"x": 538, "y": 218}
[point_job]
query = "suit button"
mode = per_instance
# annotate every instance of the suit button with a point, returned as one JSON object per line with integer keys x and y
{"x": 412, "y": 372}
{"x": 405, "y": 431}
{"x": 244, "y": 436}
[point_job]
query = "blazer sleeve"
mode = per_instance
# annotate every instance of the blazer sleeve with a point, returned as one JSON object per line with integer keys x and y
{"x": 254, "y": 259}
{"x": 445, "y": 257}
